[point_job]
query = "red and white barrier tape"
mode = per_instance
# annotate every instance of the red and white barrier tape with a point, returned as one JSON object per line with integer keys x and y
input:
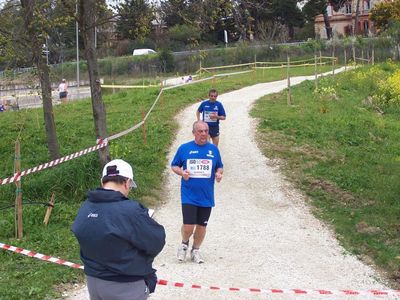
{"x": 102, "y": 143}
{"x": 286, "y": 291}
{"x": 215, "y": 288}
{"x": 17, "y": 176}
{"x": 40, "y": 256}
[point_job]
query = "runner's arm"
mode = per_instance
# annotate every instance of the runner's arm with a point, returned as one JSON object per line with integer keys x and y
{"x": 218, "y": 174}
{"x": 179, "y": 171}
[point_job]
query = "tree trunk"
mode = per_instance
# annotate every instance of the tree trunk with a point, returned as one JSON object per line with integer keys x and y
{"x": 327, "y": 25}
{"x": 355, "y": 27}
{"x": 87, "y": 14}
{"x": 237, "y": 16}
{"x": 291, "y": 32}
{"x": 35, "y": 43}
{"x": 52, "y": 141}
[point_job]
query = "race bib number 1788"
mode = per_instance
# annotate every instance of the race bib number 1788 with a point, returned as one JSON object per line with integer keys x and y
{"x": 199, "y": 168}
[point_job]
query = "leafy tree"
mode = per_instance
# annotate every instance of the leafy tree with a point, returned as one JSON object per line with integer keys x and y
{"x": 209, "y": 17}
{"x": 315, "y": 7}
{"x": 134, "y": 19}
{"x": 253, "y": 17}
{"x": 383, "y": 13}
{"x": 386, "y": 17}
{"x": 173, "y": 12}
{"x": 166, "y": 59}
{"x": 244, "y": 21}
{"x": 185, "y": 34}
{"x": 287, "y": 12}
{"x": 213, "y": 16}
{"x": 13, "y": 50}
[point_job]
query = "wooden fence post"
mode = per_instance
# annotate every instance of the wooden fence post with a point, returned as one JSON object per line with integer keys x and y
{"x": 315, "y": 71}
{"x": 144, "y": 128}
{"x": 162, "y": 95}
{"x": 18, "y": 197}
{"x": 373, "y": 56}
{"x": 255, "y": 65}
{"x": 289, "y": 98}
{"x": 200, "y": 69}
{"x": 49, "y": 209}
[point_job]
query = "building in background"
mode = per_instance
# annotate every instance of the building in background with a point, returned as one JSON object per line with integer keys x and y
{"x": 342, "y": 21}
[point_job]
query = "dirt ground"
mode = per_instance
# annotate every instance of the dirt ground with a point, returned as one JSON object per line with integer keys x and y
{"x": 261, "y": 233}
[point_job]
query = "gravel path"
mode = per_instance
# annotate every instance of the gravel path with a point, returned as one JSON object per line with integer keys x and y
{"x": 261, "y": 233}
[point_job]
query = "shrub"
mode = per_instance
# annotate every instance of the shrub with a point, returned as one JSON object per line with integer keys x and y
{"x": 186, "y": 34}
{"x": 389, "y": 90}
{"x": 166, "y": 60}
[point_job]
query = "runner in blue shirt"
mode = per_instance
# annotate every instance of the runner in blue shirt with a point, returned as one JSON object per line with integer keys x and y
{"x": 212, "y": 111}
{"x": 199, "y": 164}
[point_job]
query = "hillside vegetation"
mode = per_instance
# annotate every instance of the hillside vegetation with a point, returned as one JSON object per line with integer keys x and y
{"x": 340, "y": 144}
{"x": 23, "y": 277}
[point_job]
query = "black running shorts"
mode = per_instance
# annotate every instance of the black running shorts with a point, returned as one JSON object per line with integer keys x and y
{"x": 213, "y": 131}
{"x": 195, "y": 214}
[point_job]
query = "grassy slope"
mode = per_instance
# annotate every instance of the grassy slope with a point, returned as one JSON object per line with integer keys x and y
{"x": 345, "y": 156}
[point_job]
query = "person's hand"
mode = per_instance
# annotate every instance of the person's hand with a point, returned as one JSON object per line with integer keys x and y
{"x": 185, "y": 175}
{"x": 213, "y": 116}
{"x": 218, "y": 176}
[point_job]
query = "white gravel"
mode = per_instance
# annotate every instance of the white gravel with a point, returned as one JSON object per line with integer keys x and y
{"x": 261, "y": 233}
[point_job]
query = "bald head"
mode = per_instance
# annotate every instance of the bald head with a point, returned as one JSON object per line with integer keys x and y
{"x": 200, "y": 132}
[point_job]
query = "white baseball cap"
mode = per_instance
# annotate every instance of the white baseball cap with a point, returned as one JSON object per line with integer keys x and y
{"x": 121, "y": 168}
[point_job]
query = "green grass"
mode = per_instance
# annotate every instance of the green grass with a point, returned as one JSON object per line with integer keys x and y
{"x": 26, "y": 278}
{"x": 345, "y": 155}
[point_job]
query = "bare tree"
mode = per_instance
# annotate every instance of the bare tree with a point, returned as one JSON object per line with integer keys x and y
{"x": 87, "y": 19}
{"x": 35, "y": 33}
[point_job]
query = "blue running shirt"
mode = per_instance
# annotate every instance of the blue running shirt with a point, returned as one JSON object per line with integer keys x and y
{"x": 202, "y": 161}
{"x": 207, "y": 108}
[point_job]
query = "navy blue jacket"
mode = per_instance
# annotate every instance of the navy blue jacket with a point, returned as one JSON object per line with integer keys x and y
{"x": 118, "y": 239}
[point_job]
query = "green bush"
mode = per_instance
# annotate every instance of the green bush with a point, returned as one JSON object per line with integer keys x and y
{"x": 186, "y": 34}
{"x": 166, "y": 60}
{"x": 389, "y": 90}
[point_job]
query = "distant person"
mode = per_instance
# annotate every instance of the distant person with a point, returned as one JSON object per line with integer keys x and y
{"x": 118, "y": 239}
{"x": 2, "y": 108}
{"x": 199, "y": 164}
{"x": 63, "y": 90}
{"x": 211, "y": 112}
{"x": 189, "y": 79}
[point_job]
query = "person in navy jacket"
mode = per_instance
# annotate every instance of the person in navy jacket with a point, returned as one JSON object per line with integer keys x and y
{"x": 118, "y": 239}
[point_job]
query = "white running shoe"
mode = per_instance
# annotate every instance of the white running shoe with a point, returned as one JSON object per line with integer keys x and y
{"x": 196, "y": 257}
{"x": 182, "y": 250}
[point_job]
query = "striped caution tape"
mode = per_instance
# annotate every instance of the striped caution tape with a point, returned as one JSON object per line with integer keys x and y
{"x": 40, "y": 256}
{"x": 17, "y": 176}
{"x": 348, "y": 292}
{"x": 286, "y": 291}
{"x": 116, "y": 86}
